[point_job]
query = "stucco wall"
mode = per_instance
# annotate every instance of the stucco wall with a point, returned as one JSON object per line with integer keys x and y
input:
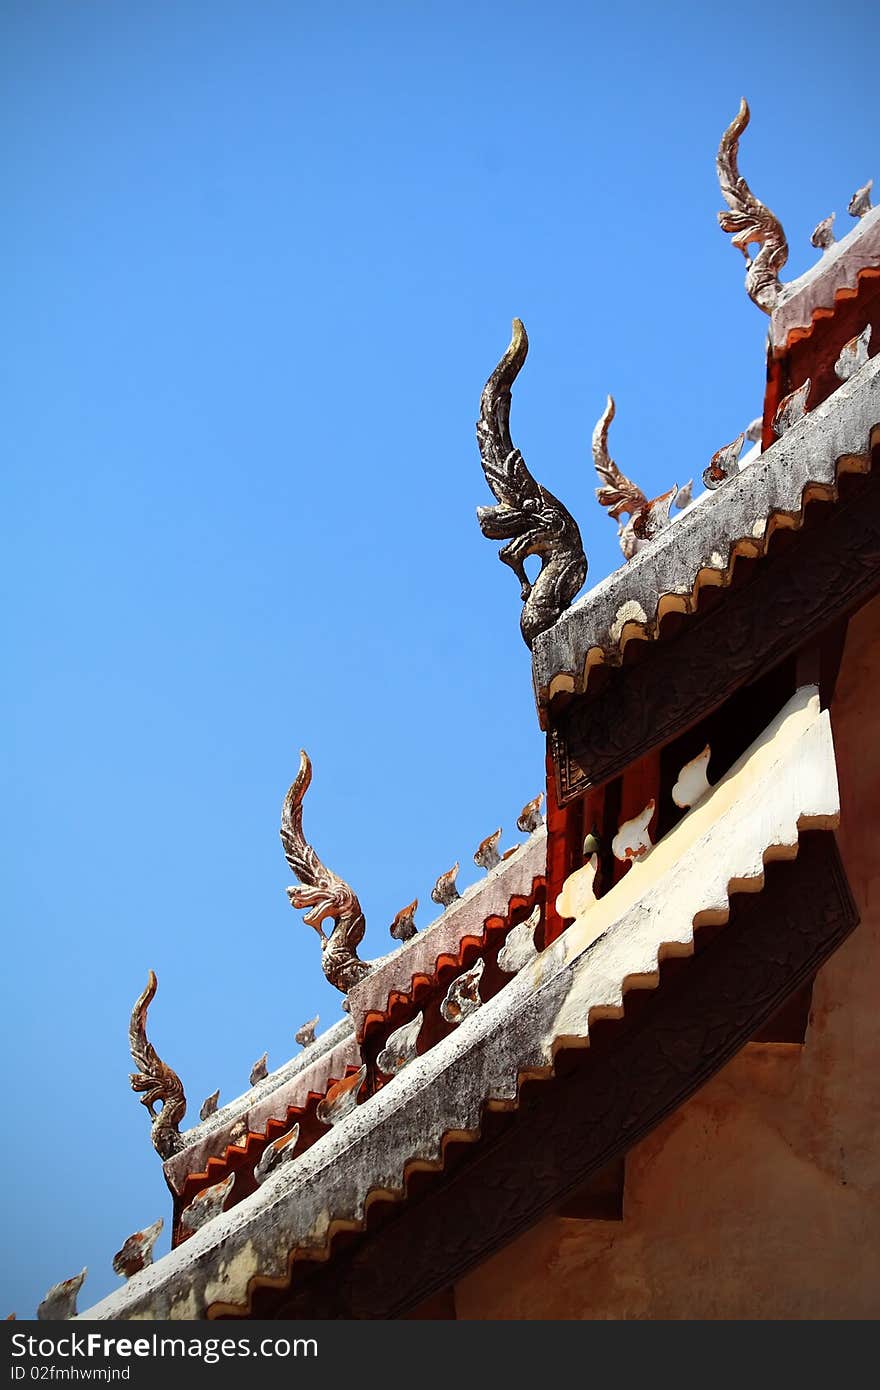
{"x": 760, "y": 1198}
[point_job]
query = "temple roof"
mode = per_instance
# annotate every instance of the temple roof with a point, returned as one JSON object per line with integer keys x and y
{"x": 834, "y": 277}
{"x": 444, "y": 941}
{"x": 215, "y": 1146}
{"x": 784, "y": 784}
{"x": 309, "y": 1074}
{"x": 700, "y": 547}
{"x": 424, "y": 1057}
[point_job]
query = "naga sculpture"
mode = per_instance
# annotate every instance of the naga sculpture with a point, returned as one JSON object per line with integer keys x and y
{"x": 60, "y": 1302}
{"x": 625, "y": 498}
{"x": 155, "y": 1079}
{"x": 749, "y": 220}
{"x": 322, "y": 893}
{"x": 528, "y": 517}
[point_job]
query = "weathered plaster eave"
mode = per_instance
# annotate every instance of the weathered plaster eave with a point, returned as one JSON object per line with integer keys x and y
{"x": 837, "y": 270}
{"x": 701, "y": 548}
{"x": 786, "y": 782}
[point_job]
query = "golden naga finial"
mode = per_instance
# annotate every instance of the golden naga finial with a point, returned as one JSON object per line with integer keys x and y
{"x": 322, "y": 892}
{"x": 155, "y": 1079}
{"x": 749, "y": 220}
{"x": 528, "y": 517}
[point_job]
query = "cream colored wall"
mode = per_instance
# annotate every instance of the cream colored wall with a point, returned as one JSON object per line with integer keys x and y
{"x": 760, "y": 1198}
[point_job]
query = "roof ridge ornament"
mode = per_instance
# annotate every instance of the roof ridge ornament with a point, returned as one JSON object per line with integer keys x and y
{"x": 693, "y": 783}
{"x": 276, "y": 1153}
{"x": 486, "y": 855}
{"x": 823, "y": 233}
{"x": 519, "y": 947}
{"x": 206, "y": 1205}
{"x": 401, "y": 1046}
{"x": 633, "y": 838}
{"x": 209, "y": 1105}
{"x": 137, "y": 1252}
{"x": 260, "y": 1070}
{"x": 463, "y": 995}
{"x": 528, "y": 518}
{"x": 530, "y": 819}
{"x": 623, "y": 497}
{"x": 322, "y": 892}
{"x": 860, "y": 202}
{"x": 724, "y": 463}
{"x": 791, "y": 409}
{"x": 60, "y": 1302}
{"x": 155, "y": 1079}
{"x": 403, "y": 928}
{"x": 305, "y": 1035}
{"x": 853, "y": 355}
{"x": 341, "y": 1099}
{"x": 749, "y": 220}
{"x": 445, "y": 890}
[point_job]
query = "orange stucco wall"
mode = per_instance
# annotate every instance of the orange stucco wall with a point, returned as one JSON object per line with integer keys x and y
{"x": 759, "y": 1198}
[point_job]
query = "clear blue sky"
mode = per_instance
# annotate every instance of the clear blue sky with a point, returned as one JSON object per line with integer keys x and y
{"x": 259, "y": 260}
